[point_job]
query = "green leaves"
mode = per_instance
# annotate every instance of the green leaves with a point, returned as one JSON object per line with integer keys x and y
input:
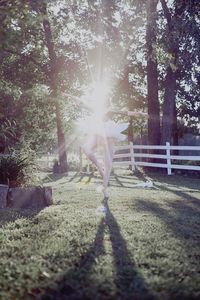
{"x": 14, "y": 169}
{"x": 6, "y": 129}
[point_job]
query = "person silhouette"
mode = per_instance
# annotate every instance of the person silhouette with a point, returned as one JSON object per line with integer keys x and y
{"x": 104, "y": 133}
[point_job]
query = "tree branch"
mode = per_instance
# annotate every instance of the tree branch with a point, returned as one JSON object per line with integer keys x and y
{"x": 42, "y": 67}
{"x": 129, "y": 113}
{"x": 166, "y": 12}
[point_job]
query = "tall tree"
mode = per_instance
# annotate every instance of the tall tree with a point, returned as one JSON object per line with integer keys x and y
{"x": 181, "y": 46}
{"x": 152, "y": 75}
{"x": 188, "y": 80}
{"x": 169, "y": 104}
{"x": 41, "y": 8}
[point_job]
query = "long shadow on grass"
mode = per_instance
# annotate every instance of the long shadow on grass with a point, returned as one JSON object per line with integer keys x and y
{"x": 186, "y": 198}
{"x": 129, "y": 282}
{"x": 73, "y": 177}
{"x": 115, "y": 179}
{"x": 53, "y": 177}
{"x": 176, "y": 181}
{"x": 89, "y": 177}
{"x": 127, "y": 184}
{"x": 11, "y": 215}
{"x": 79, "y": 283}
{"x": 182, "y": 219}
{"x": 119, "y": 181}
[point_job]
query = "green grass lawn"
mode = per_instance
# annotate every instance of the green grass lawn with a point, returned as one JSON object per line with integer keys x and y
{"x": 146, "y": 247}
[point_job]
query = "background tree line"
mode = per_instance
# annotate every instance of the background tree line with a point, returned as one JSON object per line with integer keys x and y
{"x": 51, "y": 50}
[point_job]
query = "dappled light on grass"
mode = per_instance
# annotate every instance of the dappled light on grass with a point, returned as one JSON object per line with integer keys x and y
{"x": 96, "y": 101}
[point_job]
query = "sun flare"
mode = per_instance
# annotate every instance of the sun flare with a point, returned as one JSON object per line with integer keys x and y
{"x": 97, "y": 99}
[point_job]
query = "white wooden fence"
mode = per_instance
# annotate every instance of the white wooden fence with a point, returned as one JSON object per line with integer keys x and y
{"x": 137, "y": 155}
{"x": 132, "y": 154}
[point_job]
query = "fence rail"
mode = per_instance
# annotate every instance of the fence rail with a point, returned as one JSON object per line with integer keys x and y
{"x": 132, "y": 155}
{"x": 136, "y": 155}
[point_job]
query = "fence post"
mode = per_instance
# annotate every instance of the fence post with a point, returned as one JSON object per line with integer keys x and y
{"x": 88, "y": 167}
{"x": 80, "y": 160}
{"x": 169, "y": 169}
{"x": 132, "y": 157}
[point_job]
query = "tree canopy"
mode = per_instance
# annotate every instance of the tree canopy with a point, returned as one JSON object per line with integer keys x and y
{"x": 148, "y": 52}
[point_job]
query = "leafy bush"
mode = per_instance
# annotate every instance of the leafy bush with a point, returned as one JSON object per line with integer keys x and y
{"x": 16, "y": 169}
{"x": 7, "y": 133}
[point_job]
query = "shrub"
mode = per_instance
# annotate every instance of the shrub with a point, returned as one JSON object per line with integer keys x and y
{"x": 16, "y": 170}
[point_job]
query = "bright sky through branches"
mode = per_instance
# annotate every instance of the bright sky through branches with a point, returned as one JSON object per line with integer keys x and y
{"x": 96, "y": 98}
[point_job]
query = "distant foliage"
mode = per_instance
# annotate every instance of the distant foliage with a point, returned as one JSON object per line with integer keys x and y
{"x": 88, "y": 41}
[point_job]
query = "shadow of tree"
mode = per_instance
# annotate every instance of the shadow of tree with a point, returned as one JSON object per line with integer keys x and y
{"x": 187, "y": 199}
{"x": 118, "y": 180}
{"x": 173, "y": 180}
{"x": 53, "y": 177}
{"x": 88, "y": 176}
{"x": 115, "y": 179}
{"x": 74, "y": 176}
{"x": 182, "y": 216}
{"x": 11, "y": 215}
{"x": 121, "y": 180}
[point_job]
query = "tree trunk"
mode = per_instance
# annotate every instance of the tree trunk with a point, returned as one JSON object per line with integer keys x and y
{"x": 175, "y": 126}
{"x": 61, "y": 142}
{"x": 152, "y": 76}
{"x": 130, "y": 130}
{"x": 53, "y": 74}
{"x": 175, "y": 130}
{"x": 169, "y": 119}
{"x": 168, "y": 106}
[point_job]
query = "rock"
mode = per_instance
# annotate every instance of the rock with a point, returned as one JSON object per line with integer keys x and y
{"x": 30, "y": 197}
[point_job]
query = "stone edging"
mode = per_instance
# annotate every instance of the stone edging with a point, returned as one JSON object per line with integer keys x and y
{"x": 25, "y": 197}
